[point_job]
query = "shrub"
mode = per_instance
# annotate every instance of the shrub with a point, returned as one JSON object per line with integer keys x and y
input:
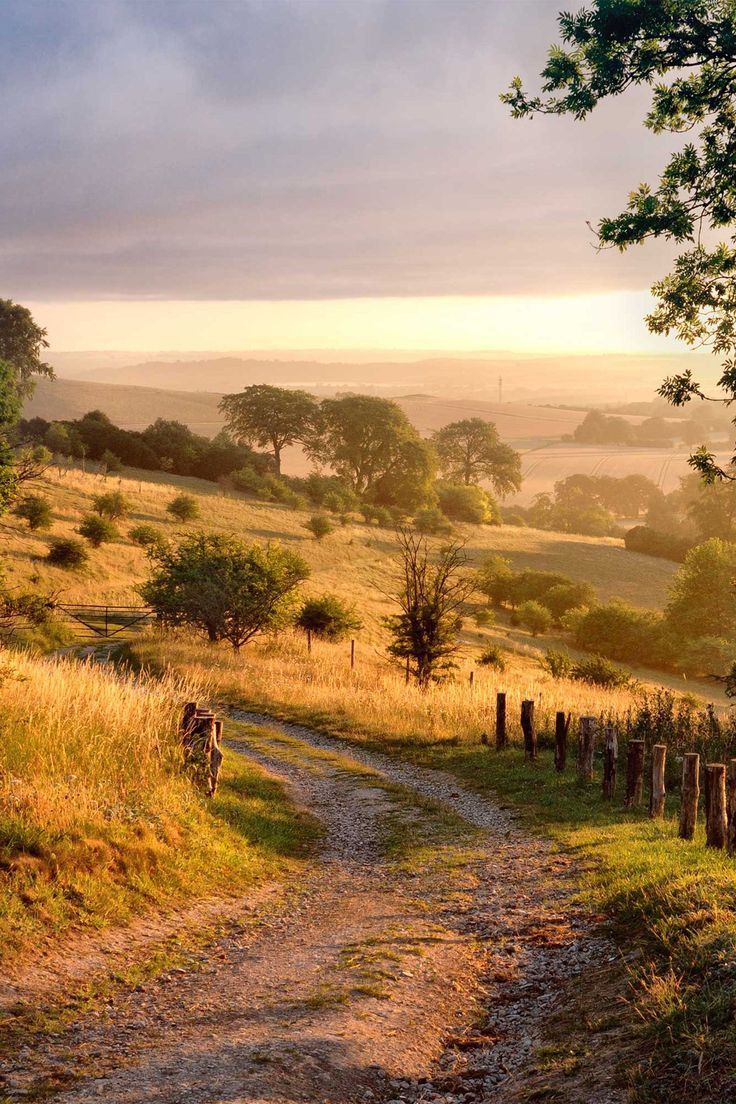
{"x": 495, "y": 579}
{"x": 377, "y": 515}
{"x": 484, "y": 618}
{"x": 652, "y": 542}
{"x": 432, "y": 521}
{"x": 184, "y": 508}
{"x": 471, "y": 504}
{"x": 556, "y": 663}
{"x": 320, "y": 526}
{"x": 533, "y": 586}
{"x": 621, "y": 632}
{"x": 112, "y": 505}
{"x": 600, "y": 672}
{"x": 535, "y": 617}
{"x": 98, "y": 530}
{"x": 251, "y": 482}
{"x": 515, "y": 518}
{"x": 492, "y": 656}
{"x": 67, "y": 552}
{"x": 328, "y": 617}
{"x": 111, "y": 462}
{"x": 35, "y": 509}
{"x": 563, "y": 597}
{"x": 147, "y": 536}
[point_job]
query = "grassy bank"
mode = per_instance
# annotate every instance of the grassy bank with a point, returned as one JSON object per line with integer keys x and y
{"x": 98, "y": 821}
{"x": 674, "y": 900}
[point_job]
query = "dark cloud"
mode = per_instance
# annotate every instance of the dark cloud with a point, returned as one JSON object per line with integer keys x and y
{"x": 310, "y": 148}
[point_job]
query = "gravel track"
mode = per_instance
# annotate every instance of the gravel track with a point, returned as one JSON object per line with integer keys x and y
{"x": 372, "y": 983}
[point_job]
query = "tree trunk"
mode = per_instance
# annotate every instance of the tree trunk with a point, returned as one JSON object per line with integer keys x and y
{"x": 715, "y": 808}
{"x": 277, "y": 457}
{"x": 690, "y": 794}
{"x": 731, "y": 805}
{"x": 656, "y": 784}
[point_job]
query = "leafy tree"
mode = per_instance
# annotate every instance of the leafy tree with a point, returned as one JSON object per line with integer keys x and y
{"x": 320, "y": 526}
{"x": 98, "y": 530}
{"x": 371, "y": 445}
{"x": 67, "y": 552}
{"x": 471, "y": 504}
{"x": 534, "y": 616}
{"x": 494, "y": 578}
{"x": 223, "y": 587}
{"x": 31, "y": 462}
{"x": 269, "y": 416}
{"x": 19, "y": 608}
{"x": 57, "y": 439}
{"x": 620, "y": 631}
{"x": 35, "y": 509}
{"x": 684, "y": 50}
{"x": 10, "y": 399}
{"x": 184, "y": 508}
{"x": 471, "y": 450}
{"x": 21, "y": 344}
{"x": 432, "y": 593}
{"x": 432, "y": 522}
{"x": 702, "y": 599}
{"x": 112, "y": 505}
{"x": 110, "y": 462}
{"x": 328, "y": 618}
{"x": 563, "y": 597}
{"x": 8, "y": 477}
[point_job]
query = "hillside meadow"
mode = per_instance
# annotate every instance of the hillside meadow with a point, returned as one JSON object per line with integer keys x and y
{"x": 354, "y": 561}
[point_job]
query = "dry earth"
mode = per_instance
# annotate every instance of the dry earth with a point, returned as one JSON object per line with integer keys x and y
{"x": 435, "y": 952}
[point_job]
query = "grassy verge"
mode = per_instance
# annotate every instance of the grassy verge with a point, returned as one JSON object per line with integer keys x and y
{"x": 99, "y": 822}
{"x": 673, "y": 900}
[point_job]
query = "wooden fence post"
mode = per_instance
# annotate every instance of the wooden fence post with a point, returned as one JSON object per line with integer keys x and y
{"x": 610, "y": 760}
{"x": 406, "y": 673}
{"x": 715, "y": 805}
{"x": 586, "y": 748}
{"x": 187, "y": 717}
{"x": 527, "y": 727}
{"x": 471, "y": 679}
{"x": 352, "y": 655}
{"x": 690, "y": 794}
{"x": 500, "y": 721}
{"x": 562, "y": 726}
{"x": 215, "y": 758}
{"x": 656, "y": 781}
{"x": 309, "y": 640}
{"x": 634, "y": 773}
{"x": 731, "y": 805}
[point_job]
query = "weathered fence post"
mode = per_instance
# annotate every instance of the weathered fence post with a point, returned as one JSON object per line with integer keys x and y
{"x": 352, "y": 655}
{"x": 500, "y": 721}
{"x": 656, "y": 781}
{"x": 406, "y": 673}
{"x": 586, "y": 748}
{"x": 187, "y": 718}
{"x": 215, "y": 757}
{"x": 715, "y": 805}
{"x": 527, "y": 727}
{"x": 610, "y": 760}
{"x": 634, "y": 773}
{"x": 731, "y": 805}
{"x": 309, "y": 640}
{"x": 562, "y": 726}
{"x": 471, "y": 679}
{"x": 690, "y": 794}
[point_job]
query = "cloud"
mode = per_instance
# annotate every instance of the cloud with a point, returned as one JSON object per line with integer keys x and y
{"x": 281, "y": 149}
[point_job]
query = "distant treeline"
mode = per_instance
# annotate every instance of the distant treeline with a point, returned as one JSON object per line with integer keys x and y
{"x": 164, "y": 446}
{"x": 598, "y": 428}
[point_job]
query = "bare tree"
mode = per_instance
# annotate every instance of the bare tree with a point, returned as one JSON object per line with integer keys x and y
{"x": 432, "y": 592}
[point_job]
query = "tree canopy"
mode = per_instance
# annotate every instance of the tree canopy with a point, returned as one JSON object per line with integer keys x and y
{"x": 685, "y": 50}
{"x": 270, "y": 417}
{"x": 22, "y": 343}
{"x": 471, "y": 450}
{"x": 370, "y": 444}
{"x": 702, "y": 599}
{"x": 223, "y": 587}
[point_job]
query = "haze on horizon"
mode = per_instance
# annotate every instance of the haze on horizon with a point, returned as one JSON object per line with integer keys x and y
{"x": 183, "y": 175}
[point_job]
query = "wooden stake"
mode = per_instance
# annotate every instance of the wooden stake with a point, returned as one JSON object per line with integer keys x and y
{"x": 610, "y": 760}
{"x": 471, "y": 679}
{"x": 731, "y": 806}
{"x": 406, "y": 676}
{"x": 634, "y": 773}
{"x": 527, "y": 727}
{"x": 586, "y": 748}
{"x": 656, "y": 781}
{"x": 309, "y": 640}
{"x": 690, "y": 794}
{"x": 562, "y": 727}
{"x": 500, "y": 721}
{"x": 715, "y": 807}
{"x": 352, "y": 655}
{"x": 215, "y": 758}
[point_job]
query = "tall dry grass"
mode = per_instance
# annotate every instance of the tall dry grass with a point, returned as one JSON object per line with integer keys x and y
{"x": 78, "y": 742}
{"x": 373, "y": 698}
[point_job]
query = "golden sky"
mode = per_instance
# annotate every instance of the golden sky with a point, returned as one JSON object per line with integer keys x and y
{"x": 607, "y": 322}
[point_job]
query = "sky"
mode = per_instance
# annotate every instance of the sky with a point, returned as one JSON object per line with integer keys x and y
{"x": 310, "y": 173}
